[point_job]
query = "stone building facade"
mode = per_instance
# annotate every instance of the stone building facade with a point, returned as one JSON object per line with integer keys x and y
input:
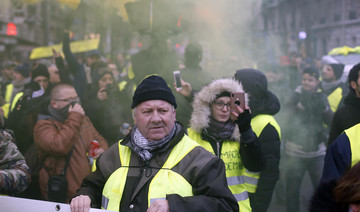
{"x": 312, "y": 27}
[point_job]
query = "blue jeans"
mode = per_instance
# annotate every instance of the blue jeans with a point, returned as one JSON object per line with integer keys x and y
{"x": 295, "y": 171}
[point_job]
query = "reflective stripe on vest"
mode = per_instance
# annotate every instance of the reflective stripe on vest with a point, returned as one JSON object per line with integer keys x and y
{"x": 334, "y": 98}
{"x": 6, "y": 109}
{"x": 163, "y": 183}
{"x": 122, "y": 85}
{"x": 353, "y": 134}
{"x": 15, "y": 100}
{"x": 9, "y": 90}
{"x": 230, "y": 154}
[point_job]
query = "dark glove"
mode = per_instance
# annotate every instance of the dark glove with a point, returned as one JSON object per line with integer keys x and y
{"x": 243, "y": 121}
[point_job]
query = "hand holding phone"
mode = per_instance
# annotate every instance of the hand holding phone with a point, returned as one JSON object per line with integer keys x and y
{"x": 177, "y": 79}
{"x": 237, "y": 99}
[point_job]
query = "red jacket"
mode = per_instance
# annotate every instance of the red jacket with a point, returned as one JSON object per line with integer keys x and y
{"x": 55, "y": 139}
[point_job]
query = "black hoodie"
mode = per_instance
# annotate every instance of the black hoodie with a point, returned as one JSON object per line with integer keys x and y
{"x": 346, "y": 116}
{"x": 263, "y": 101}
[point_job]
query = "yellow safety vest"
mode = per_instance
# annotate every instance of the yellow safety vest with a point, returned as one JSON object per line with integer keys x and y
{"x": 164, "y": 182}
{"x": 6, "y": 109}
{"x": 15, "y": 100}
{"x": 9, "y": 90}
{"x": 258, "y": 123}
{"x": 353, "y": 133}
{"x": 230, "y": 154}
{"x": 334, "y": 98}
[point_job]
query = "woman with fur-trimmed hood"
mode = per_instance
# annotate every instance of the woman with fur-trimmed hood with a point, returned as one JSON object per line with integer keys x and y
{"x": 227, "y": 133}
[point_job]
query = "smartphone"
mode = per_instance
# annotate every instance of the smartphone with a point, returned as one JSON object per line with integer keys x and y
{"x": 237, "y": 99}
{"x": 177, "y": 79}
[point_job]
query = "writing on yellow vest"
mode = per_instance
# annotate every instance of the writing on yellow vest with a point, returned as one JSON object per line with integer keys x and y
{"x": 230, "y": 154}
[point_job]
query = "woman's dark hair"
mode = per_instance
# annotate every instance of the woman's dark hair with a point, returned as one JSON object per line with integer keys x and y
{"x": 347, "y": 190}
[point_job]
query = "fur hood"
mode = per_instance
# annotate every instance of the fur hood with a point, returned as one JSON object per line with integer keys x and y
{"x": 200, "y": 117}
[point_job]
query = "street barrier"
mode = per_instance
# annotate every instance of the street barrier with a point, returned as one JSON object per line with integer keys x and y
{"x": 15, "y": 204}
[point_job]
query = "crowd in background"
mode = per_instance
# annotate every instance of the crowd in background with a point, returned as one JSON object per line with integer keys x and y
{"x": 305, "y": 95}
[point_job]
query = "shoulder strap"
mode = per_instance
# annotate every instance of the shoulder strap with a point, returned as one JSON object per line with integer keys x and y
{"x": 68, "y": 160}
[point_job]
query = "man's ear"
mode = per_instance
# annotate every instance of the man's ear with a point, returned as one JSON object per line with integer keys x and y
{"x": 353, "y": 85}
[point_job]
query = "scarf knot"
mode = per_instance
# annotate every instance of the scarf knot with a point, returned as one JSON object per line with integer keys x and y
{"x": 145, "y": 148}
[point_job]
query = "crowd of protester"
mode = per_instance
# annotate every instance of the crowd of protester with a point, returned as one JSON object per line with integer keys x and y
{"x": 55, "y": 110}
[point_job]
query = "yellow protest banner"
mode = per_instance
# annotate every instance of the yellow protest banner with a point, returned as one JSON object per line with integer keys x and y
{"x": 75, "y": 46}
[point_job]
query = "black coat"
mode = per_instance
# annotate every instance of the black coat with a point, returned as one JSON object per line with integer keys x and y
{"x": 262, "y": 101}
{"x": 204, "y": 171}
{"x": 346, "y": 116}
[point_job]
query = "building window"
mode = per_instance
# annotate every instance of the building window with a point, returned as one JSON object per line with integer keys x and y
{"x": 353, "y": 9}
{"x": 353, "y": 39}
{"x": 337, "y": 7}
{"x": 324, "y": 46}
{"x": 352, "y": 14}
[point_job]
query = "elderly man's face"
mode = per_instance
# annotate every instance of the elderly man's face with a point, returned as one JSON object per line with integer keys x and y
{"x": 154, "y": 119}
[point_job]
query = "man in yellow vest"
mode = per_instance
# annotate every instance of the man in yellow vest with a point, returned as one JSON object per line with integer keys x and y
{"x": 342, "y": 154}
{"x": 7, "y": 71}
{"x": 347, "y": 115}
{"x": 156, "y": 167}
{"x": 332, "y": 85}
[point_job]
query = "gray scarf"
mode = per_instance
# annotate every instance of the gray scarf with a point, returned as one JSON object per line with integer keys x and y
{"x": 19, "y": 87}
{"x": 145, "y": 148}
{"x": 59, "y": 115}
{"x": 326, "y": 86}
{"x": 220, "y": 130}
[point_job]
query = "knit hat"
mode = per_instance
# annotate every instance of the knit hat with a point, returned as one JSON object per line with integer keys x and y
{"x": 338, "y": 69}
{"x": 93, "y": 53}
{"x": 222, "y": 94}
{"x": 312, "y": 71}
{"x": 40, "y": 70}
{"x": 23, "y": 70}
{"x": 151, "y": 88}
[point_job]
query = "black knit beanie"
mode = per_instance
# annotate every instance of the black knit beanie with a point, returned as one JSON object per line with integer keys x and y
{"x": 153, "y": 88}
{"x": 23, "y": 70}
{"x": 222, "y": 94}
{"x": 338, "y": 69}
{"x": 312, "y": 71}
{"x": 40, "y": 70}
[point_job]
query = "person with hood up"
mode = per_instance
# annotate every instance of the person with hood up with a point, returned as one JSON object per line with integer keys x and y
{"x": 218, "y": 129}
{"x": 106, "y": 106}
{"x": 264, "y": 104}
